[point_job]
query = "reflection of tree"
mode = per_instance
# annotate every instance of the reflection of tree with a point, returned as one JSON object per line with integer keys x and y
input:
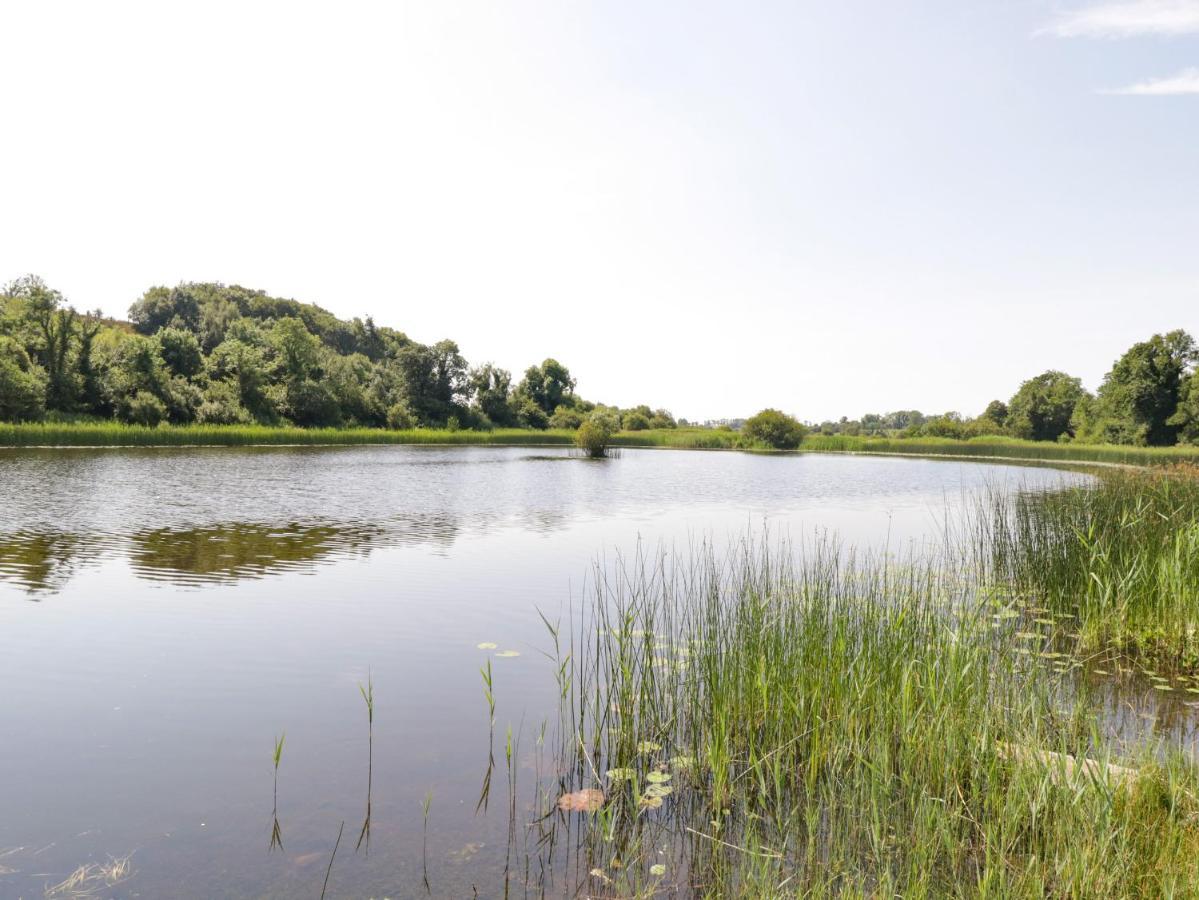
{"x": 227, "y": 552}
{"x": 236, "y": 551}
{"x": 40, "y": 561}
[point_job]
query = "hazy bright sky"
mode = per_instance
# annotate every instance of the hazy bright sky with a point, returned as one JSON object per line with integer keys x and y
{"x": 831, "y": 208}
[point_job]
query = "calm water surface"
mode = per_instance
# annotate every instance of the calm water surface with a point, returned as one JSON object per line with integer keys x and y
{"x": 165, "y": 614}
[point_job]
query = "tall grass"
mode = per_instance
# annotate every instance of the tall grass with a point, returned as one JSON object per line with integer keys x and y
{"x": 1010, "y": 448}
{"x": 1122, "y": 556}
{"x": 833, "y": 726}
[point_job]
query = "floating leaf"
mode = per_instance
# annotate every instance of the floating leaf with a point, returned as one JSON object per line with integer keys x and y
{"x": 682, "y": 763}
{"x": 1028, "y": 635}
{"x": 657, "y": 869}
{"x": 508, "y": 654}
{"x": 621, "y": 774}
{"x": 658, "y": 777}
{"x": 1043, "y": 621}
{"x": 659, "y": 790}
{"x": 648, "y": 747}
{"x": 648, "y": 802}
{"x": 586, "y": 800}
{"x": 486, "y": 645}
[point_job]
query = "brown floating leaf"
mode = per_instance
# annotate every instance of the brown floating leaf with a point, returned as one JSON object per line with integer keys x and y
{"x": 586, "y": 800}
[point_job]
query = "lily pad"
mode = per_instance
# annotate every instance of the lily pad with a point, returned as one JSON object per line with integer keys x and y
{"x": 658, "y": 777}
{"x": 508, "y": 654}
{"x": 648, "y": 747}
{"x": 648, "y": 802}
{"x": 486, "y": 645}
{"x": 658, "y": 790}
{"x": 621, "y": 774}
{"x": 682, "y": 763}
{"x": 657, "y": 869}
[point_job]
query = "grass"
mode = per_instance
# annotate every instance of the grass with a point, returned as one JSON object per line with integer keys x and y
{"x": 1122, "y": 556}
{"x": 117, "y": 434}
{"x": 1010, "y": 448}
{"x": 764, "y": 726}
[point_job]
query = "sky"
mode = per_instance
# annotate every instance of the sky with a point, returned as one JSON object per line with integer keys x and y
{"x": 829, "y": 208}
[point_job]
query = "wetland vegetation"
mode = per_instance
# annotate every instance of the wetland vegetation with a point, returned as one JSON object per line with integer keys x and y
{"x": 820, "y": 723}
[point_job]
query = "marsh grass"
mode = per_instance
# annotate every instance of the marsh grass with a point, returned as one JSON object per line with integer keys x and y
{"x": 1003, "y": 448}
{"x": 766, "y": 725}
{"x": 1121, "y": 557}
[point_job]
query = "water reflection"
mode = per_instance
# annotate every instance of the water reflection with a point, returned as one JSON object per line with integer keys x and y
{"x": 45, "y": 562}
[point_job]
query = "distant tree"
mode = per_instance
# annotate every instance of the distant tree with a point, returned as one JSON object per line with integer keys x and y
{"x": 51, "y": 327}
{"x": 1139, "y": 397}
{"x": 774, "y": 429}
{"x": 435, "y": 380}
{"x": 160, "y": 306}
{"x": 547, "y": 385}
{"x": 566, "y": 417}
{"x": 180, "y": 351}
{"x": 1186, "y": 416}
{"x": 1042, "y": 408}
{"x": 634, "y": 420}
{"x": 22, "y": 384}
{"x": 996, "y": 412}
{"x": 491, "y": 388}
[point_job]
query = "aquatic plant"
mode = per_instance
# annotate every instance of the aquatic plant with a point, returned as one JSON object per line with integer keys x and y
{"x": 815, "y": 723}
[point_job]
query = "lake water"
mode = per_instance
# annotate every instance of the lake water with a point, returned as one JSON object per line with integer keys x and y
{"x": 165, "y": 614}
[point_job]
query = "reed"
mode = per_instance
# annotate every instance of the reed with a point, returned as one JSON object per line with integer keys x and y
{"x": 1121, "y": 555}
{"x": 774, "y": 723}
{"x": 1003, "y": 448}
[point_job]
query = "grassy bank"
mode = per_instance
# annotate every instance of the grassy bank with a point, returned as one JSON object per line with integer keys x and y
{"x": 118, "y": 434}
{"x": 1010, "y": 448}
{"x": 112, "y": 434}
{"x": 764, "y": 728}
{"x": 1122, "y": 556}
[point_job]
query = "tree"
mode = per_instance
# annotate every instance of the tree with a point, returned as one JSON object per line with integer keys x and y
{"x": 52, "y": 326}
{"x": 22, "y": 384}
{"x": 547, "y": 385}
{"x": 491, "y": 388}
{"x": 774, "y": 429}
{"x": 1043, "y": 406}
{"x": 180, "y": 350}
{"x": 1186, "y": 416}
{"x": 161, "y": 306}
{"x": 1140, "y": 395}
{"x": 996, "y": 413}
{"x": 435, "y": 380}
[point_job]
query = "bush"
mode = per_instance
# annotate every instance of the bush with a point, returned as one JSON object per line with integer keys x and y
{"x": 774, "y": 429}
{"x": 565, "y": 417}
{"x": 594, "y": 434}
{"x": 400, "y": 418}
{"x": 22, "y": 385}
{"x": 143, "y": 408}
{"x": 635, "y": 421}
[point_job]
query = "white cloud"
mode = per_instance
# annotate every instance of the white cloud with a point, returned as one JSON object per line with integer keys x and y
{"x": 1185, "y": 82}
{"x": 1128, "y": 19}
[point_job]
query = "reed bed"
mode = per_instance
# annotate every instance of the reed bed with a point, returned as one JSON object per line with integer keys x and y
{"x": 1122, "y": 556}
{"x": 770, "y": 724}
{"x": 1001, "y": 447}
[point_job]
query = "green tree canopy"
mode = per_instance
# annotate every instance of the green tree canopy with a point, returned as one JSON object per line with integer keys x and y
{"x": 1042, "y": 408}
{"x": 774, "y": 429}
{"x": 1139, "y": 397}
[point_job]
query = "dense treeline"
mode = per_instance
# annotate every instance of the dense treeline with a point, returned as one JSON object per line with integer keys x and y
{"x": 226, "y": 355}
{"x": 1150, "y": 398}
